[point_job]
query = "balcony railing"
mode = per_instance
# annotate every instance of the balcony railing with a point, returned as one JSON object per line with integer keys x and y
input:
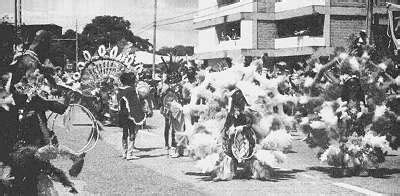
{"x": 297, "y": 42}
{"x": 285, "y": 5}
{"x": 361, "y": 3}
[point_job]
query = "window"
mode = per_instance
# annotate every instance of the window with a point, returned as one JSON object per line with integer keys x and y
{"x": 304, "y": 26}
{"x": 228, "y": 31}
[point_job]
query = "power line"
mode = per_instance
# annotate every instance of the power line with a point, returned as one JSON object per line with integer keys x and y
{"x": 180, "y": 21}
{"x": 145, "y": 26}
{"x": 151, "y": 25}
{"x": 144, "y": 30}
{"x": 189, "y": 13}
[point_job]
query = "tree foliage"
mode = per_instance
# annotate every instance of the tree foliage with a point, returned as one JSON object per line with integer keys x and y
{"x": 178, "y": 50}
{"x": 110, "y": 30}
{"x": 7, "y": 39}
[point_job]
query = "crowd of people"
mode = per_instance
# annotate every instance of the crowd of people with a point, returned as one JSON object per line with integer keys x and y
{"x": 240, "y": 115}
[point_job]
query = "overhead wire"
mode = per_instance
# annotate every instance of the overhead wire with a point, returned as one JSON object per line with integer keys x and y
{"x": 148, "y": 26}
{"x": 209, "y": 14}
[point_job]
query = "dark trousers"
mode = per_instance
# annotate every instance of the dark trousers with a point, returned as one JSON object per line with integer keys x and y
{"x": 129, "y": 129}
{"x": 166, "y": 133}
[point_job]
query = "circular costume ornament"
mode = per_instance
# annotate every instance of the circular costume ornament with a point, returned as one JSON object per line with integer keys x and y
{"x": 243, "y": 146}
{"x": 102, "y": 67}
{"x": 76, "y": 76}
{"x": 81, "y": 66}
{"x": 71, "y": 120}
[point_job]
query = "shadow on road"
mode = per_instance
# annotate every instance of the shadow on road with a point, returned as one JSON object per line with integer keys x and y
{"x": 375, "y": 173}
{"x": 150, "y": 156}
{"x": 278, "y": 175}
{"x": 285, "y": 175}
{"x": 147, "y": 149}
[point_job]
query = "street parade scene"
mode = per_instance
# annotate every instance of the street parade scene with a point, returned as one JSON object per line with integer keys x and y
{"x": 199, "y": 97}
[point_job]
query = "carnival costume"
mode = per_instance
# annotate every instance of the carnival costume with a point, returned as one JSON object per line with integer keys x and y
{"x": 172, "y": 112}
{"x": 241, "y": 126}
{"x": 254, "y": 134}
{"x": 30, "y": 84}
{"x": 131, "y": 114}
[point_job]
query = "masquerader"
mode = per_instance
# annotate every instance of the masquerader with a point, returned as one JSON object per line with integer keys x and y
{"x": 29, "y": 78}
{"x": 131, "y": 114}
{"x": 173, "y": 116}
{"x": 241, "y": 123}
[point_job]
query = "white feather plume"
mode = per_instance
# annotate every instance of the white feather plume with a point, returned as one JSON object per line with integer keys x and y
{"x": 270, "y": 157}
{"x": 208, "y": 164}
{"x": 277, "y": 140}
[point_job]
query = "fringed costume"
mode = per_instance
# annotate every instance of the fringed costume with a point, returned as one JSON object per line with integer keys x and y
{"x": 37, "y": 144}
{"x": 254, "y": 133}
{"x": 131, "y": 114}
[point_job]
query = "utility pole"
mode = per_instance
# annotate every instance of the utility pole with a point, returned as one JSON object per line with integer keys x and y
{"x": 76, "y": 42}
{"x": 20, "y": 12}
{"x": 154, "y": 38}
{"x": 16, "y": 14}
{"x": 370, "y": 10}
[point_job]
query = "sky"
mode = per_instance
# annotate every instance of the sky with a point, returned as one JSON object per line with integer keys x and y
{"x": 138, "y": 12}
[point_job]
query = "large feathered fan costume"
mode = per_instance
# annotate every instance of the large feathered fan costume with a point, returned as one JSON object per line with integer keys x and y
{"x": 263, "y": 128}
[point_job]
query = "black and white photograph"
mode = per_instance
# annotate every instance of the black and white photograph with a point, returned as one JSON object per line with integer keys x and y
{"x": 199, "y": 97}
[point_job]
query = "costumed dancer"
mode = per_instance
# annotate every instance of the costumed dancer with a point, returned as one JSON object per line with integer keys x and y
{"x": 37, "y": 143}
{"x": 236, "y": 123}
{"x": 172, "y": 112}
{"x": 254, "y": 134}
{"x": 131, "y": 114}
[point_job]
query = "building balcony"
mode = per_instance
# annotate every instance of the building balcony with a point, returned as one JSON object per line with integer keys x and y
{"x": 224, "y": 45}
{"x": 286, "y": 5}
{"x": 298, "y": 42}
{"x": 210, "y": 9}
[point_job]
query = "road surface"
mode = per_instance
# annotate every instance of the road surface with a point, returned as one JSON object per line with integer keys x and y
{"x": 106, "y": 173}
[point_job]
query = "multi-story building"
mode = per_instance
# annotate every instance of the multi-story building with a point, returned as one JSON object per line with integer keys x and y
{"x": 279, "y": 28}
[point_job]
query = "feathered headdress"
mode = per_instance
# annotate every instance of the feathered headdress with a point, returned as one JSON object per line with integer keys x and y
{"x": 173, "y": 70}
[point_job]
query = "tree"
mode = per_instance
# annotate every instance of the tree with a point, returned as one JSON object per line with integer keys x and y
{"x": 178, "y": 50}
{"x": 63, "y": 49}
{"x": 7, "y": 39}
{"x": 110, "y": 30}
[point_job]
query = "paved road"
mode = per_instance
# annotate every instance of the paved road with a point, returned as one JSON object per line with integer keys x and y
{"x": 105, "y": 172}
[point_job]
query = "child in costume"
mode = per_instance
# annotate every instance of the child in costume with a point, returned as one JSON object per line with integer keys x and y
{"x": 131, "y": 114}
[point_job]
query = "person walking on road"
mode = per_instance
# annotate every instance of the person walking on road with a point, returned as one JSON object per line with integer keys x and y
{"x": 131, "y": 114}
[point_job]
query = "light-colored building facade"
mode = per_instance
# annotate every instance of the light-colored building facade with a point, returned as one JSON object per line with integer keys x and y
{"x": 279, "y": 28}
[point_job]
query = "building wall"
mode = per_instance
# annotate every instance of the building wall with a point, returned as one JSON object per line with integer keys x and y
{"x": 284, "y": 5}
{"x": 207, "y": 39}
{"x": 209, "y": 9}
{"x": 266, "y": 33}
{"x": 343, "y": 27}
